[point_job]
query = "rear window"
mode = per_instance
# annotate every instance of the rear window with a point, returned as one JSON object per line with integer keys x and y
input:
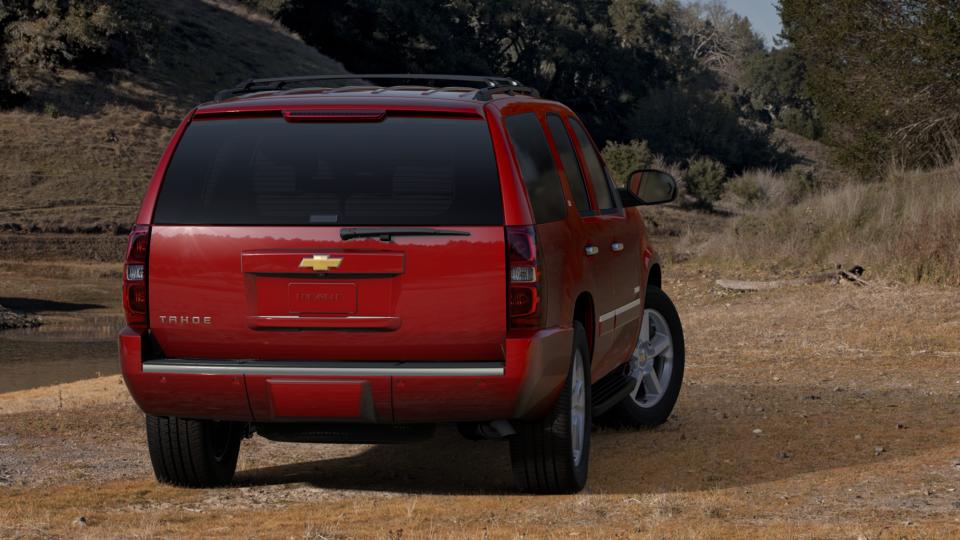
{"x": 267, "y": 171}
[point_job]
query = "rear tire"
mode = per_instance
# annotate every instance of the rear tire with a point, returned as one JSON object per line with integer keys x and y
{"x": 193, "y": 453}
{"x": 552, "y": 455}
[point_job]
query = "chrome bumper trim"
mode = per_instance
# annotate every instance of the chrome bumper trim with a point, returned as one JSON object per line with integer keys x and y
{"x": 341, "y": 369}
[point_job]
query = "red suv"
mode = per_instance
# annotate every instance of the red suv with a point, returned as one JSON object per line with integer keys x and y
{"x": 356, "y": 264}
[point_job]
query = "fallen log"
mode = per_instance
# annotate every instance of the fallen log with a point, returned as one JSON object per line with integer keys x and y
{"x": 739, "y": 285}
{"x": 852, "y": 275}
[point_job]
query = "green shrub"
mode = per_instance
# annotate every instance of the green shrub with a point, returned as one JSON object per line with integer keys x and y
{"x": 800, "y": 182}
{"x": 800, "y": 122}
{"x": 624, "y": 158}
{"x": 271, "y": 8}
{"x": 37, "y": 37}
{"x": 704, "y": 180}
{"x": 765, "y": 188}
{"x": 747, "y": 189}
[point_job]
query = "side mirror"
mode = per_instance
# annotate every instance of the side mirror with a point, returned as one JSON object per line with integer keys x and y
{"x": 648, "y": 186}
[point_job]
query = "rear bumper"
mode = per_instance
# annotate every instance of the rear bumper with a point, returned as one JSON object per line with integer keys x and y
{"x": 523, "y": 385}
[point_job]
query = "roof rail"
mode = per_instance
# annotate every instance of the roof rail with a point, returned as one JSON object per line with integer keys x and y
{"x": 486, "y": 94}
{"x": 490, "y": 85}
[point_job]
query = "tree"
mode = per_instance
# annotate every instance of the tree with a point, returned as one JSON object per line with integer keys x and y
{"x": 7, "y": 90}
{"x": 775, "y": 83}
{"x": 566, "y": 48}
{"x": 612, "y": 61}
{"x": 713, "y": 36}
{"x": 38, "y": 37}
{"x": 885, "y": 76}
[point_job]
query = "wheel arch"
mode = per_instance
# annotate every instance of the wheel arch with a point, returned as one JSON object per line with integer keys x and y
{"x": 655, "y": 276}
{"x": 585, "y": 314}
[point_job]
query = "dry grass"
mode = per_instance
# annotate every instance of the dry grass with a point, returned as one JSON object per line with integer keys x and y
{"x": 906, "y": 227}
{"x": 759, "y": 188}
{"x": 75, "y": 395}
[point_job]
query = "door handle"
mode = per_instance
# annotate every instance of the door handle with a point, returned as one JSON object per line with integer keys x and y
{"x": 617, "y": 246}
{"x": 591, "y": 250}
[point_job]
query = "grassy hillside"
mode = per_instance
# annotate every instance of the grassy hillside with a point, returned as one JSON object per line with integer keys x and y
{"x": 77, "y": 157}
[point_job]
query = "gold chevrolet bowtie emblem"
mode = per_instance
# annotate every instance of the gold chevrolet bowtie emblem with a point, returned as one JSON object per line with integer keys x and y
{"x": 320, "y": 263}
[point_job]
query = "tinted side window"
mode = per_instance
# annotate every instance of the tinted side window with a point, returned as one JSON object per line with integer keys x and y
{"x": 570, "y": 164}
{"x": 598, "y": 177}
{"x": 537, "y": 167}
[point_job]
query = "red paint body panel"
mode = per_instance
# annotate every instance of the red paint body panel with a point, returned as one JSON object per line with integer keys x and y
{"x": 335, "y": 399}
{"x": 215, "y": 397}
{"x": 446, "y": 304}
{"x": 271, "y": 262}
{"x": 304, "y": 399}
{"x": 536, "y": 366}
{"x": 609, "y": 277}
{"x": 321, "y": 298}
{"x": 414, "y": 299}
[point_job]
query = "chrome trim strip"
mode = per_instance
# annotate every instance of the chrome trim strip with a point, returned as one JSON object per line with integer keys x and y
{"x": 348, "y": 369}
{"x": 620, "y": 310}
{"x": 347, "y": 317}
{"x": 627, "y": 307}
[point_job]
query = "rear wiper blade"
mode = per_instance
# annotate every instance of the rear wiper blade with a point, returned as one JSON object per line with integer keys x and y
{"x": 386, "y": 233}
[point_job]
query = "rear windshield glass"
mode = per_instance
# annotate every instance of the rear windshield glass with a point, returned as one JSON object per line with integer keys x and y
{"x": 267, "y": 171}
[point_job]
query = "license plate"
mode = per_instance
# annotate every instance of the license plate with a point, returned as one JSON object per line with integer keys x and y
{"x": 323, "y": 298}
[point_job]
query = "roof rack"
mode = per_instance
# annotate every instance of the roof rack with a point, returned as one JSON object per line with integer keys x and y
{"x": 486, "y": 94}
{"x": 490, "y": 85}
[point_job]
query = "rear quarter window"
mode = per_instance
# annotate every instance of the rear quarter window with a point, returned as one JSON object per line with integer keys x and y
{"x": 267, "y": 171}
{"x": 571, "y": 166}
{"x": 598, "y": 176}
{"x": 537, "y": 167}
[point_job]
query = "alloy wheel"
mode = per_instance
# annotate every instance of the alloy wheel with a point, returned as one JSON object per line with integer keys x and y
{"x": 652, "y": 361}
{"x": 578, "y": 407}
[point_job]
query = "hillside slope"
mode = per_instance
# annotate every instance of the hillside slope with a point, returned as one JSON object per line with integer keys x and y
{"x": 77, "y": 157}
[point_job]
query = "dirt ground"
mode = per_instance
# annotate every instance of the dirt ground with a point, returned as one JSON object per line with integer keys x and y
{"x": 816, "y": 412}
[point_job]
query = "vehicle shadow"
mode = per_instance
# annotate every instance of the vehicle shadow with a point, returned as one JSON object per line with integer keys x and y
{"x": 708, "y": 443}
{"x": 446, "y": 463}
{"x": 36, "y": 305}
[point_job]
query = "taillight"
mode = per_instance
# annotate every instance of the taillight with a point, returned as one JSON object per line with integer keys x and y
{"x": 523, "y": 287}
{"x": 135, "y": 277}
